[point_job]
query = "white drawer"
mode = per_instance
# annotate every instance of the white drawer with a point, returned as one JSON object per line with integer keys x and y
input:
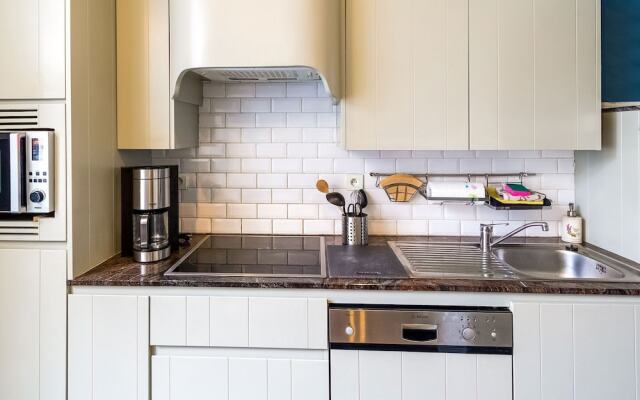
{"x": 259, "y": 322}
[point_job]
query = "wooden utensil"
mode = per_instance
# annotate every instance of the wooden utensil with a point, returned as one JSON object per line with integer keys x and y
{"x": 322, "y": 186}
{"x": 401, "y": 187}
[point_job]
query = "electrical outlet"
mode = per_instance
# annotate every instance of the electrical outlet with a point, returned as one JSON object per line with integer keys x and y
{"x": 354, "y": 182}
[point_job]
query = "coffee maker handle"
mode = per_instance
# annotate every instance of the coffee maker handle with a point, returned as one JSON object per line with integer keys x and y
{"x": 144, "y": 231}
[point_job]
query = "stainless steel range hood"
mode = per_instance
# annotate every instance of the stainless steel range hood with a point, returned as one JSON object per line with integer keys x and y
{"x": 255, "y": 41}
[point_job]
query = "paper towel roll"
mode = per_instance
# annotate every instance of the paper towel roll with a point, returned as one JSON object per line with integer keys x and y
{"x": 461, "y": 190}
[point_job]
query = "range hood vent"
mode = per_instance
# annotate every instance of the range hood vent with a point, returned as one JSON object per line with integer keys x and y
{"x": 290, "y": 74}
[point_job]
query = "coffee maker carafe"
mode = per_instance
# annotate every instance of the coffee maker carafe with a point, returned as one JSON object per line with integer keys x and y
{"x": 149, "y": 214}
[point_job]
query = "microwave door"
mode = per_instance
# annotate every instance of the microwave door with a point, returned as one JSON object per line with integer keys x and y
{"x": 12, "y": 172}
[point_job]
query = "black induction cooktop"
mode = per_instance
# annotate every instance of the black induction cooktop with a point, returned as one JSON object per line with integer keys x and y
{"x": 249, "y": 255}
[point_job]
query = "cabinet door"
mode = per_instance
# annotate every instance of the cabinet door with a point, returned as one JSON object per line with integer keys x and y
{"x": 534, "y": 74}
{"x": 33, "y": 49}
{"x": 33, "y": 329}
{"x": 378, "y": 375}
{"x": 108, "y": 343}
{"x": 575, "y": 351}
{"x": 406, "y": 74}
{"x": 247, "y": 377}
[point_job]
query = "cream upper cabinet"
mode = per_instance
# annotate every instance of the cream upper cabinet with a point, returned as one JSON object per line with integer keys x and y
{"x": 406, "y": 74}
{"x": 534, "y": 74}
{"x": 145, "y": 104}
{"x": 472, "y": 74}
{"x": 33, "y": 49}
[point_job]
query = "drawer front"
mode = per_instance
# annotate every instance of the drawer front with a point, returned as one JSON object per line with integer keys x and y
{"x": 257, "y": 322}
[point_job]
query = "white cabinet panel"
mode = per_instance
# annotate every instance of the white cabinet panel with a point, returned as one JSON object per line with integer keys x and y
{"x": 309, "y": 380}
{"x": 199, "y": 378}
{"x": 108, "y": 342}
{"x": 380, "y": 375}
{"x": 278, "y": 323}
{"x": 35, "y": 47}
{"x": 534, "y": 74}
{"x": 423, "y": 370}
{"x": 256, "y": 376}
{"x": 279, "y": 380}
{"x": 345, "y": 377}
{"x": 19, "y": 311}
{"x": 407, "y": 74}
{"x": 604, "y": 365}
{"x": 574, "y": 351}
{"x": 317, "y": 320}
{"x": 247, "y": 379}
{"x": 229, "y": 321}
{"x": 388, "y": 375}
{"x": 33, "y": 334}
{"x": 168, "y": 321}
{"x": 197, "y": 321}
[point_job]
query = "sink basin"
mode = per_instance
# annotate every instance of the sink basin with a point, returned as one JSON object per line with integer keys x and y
{"x": 556, "y": 262}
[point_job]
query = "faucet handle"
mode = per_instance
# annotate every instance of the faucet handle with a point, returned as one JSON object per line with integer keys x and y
{"x": 482, "y": 226}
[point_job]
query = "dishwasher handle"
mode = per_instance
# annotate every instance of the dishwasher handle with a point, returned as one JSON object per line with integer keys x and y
{"x": 419, "y": 332}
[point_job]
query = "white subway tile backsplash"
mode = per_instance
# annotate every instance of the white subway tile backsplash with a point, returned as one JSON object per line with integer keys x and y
{"x": 256, "y": 165}
{"x": 242, "y": 210}
{"x": 320, "y": 105}
{"x": 256, "y": 135}
{"x": 271, "y": 150}
{"x": 241, "y": 150}
{"x": 226, "y": 195}
{"x": 211, "y": 210}
{"x": 301, "y": 120}
{"x": 271, "y": 90}
{"x": 291, "y": 165}
{"x": 302, "y": 150}
{"x": 309, "y": 89}
{"x": 241, "y": 120}
{"x": 225, "y": 105}
{"x": 264, "y": 145}
{"x": 271, "y": 120}
{"x": 272, "y": 180}
{"x": 287, "y": 227}
{"x": 272, "y": 211}
{"x": 286, "y": 105}
{"x": 255, "y": 105}
{"x": 286, "y": 135}
{"x": 241, "y": 181}
{"x": 261, "y": 196}
{"x": 241, "y": 90}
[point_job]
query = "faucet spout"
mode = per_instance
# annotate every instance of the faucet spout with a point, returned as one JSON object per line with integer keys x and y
{"x": 486, "y": 234}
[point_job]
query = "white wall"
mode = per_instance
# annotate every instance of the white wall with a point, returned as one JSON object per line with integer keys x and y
{"x": 263, "y": 146}
{"x": 607, "y": 186}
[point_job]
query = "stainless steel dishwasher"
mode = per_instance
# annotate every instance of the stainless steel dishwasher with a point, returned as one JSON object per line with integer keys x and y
{"x": 406, "y": 352}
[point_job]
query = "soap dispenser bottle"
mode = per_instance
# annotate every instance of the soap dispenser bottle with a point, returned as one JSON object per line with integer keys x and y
{"x": 572, "y": 226}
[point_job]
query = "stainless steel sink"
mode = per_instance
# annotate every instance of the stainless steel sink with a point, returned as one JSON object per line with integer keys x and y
{"x": 558, "y": 262}
{"x": 512, "y": 261}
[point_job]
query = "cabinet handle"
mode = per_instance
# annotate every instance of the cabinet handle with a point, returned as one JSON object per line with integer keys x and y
{"x": 419, "y": 332}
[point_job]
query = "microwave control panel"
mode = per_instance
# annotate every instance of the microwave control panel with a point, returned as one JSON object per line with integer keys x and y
{"x": 40, "y": 171}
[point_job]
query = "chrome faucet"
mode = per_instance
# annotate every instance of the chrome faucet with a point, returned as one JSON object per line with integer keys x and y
{"x": 486, "y": 234}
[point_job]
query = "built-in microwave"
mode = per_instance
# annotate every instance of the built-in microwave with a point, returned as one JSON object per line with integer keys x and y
{"x": 27, "y": 171}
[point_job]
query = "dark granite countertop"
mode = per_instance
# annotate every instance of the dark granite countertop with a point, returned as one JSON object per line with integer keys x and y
{"x": 123, "y": 271}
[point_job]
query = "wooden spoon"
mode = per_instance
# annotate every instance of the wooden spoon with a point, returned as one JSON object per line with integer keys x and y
{"x": 322, "y": 186}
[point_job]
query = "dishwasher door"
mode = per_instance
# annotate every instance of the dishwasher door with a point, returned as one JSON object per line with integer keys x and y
{"x": 420, "y": 353}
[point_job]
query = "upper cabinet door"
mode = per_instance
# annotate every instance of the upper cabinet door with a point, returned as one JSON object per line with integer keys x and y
{"x": 534, "y": 74}
{"x": 406, "y": 74}
{"x": 33, "y": 49}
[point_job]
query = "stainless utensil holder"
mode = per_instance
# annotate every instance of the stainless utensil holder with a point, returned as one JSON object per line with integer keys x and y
{"x": 354, "y": 230}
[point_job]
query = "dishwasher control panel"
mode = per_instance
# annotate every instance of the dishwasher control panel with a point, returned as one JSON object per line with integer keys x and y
{"x": 484, "y": 330}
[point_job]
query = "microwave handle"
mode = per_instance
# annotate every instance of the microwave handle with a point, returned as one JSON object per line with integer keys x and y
{"x": 144, "y": 231}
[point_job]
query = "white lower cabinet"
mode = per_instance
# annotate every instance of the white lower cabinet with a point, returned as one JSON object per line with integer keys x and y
{"x": 576, "y": 351}
{"x": 391, "y": 375}
{"x": 33, "y": 289}
{"x": 108, "y": 347}
{"x": 240, "y": 377}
